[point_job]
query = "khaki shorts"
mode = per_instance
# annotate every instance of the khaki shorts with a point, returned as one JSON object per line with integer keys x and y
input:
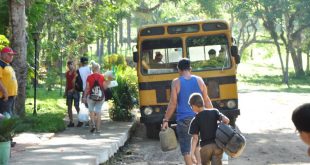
{"x": 211, "y": 150}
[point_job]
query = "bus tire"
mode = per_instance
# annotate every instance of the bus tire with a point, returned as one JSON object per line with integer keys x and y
{"x": 152, "y": 131}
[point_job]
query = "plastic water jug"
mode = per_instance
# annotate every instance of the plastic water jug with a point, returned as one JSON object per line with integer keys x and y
{"x": 168, "y": 140}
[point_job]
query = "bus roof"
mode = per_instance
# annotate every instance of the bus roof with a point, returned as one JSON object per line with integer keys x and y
{"x": 184, "y": 23}
{"x": 174, "y": 28}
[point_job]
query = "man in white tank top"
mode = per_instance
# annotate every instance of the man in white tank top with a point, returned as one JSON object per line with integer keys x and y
{"x": 84, "y": 70}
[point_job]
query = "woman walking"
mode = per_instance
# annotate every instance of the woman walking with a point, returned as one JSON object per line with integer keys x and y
{"x": 94, "y": 96}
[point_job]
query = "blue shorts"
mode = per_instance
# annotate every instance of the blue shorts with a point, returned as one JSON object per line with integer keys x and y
{"x": 7, "y": 106}
{"x": 183, "y": 136}
{"x": 73, "y": 96}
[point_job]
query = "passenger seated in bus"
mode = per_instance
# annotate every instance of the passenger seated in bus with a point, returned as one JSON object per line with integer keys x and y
{"x": 158, "y": 58}
{"x": 212, "y": 54}
{"x": 222, "y": 55}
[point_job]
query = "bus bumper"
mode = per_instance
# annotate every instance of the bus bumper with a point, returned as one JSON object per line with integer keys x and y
{"x": 155, "y": 119}
{"x": 151, "y": 119}
{"x": 231, "y": 113}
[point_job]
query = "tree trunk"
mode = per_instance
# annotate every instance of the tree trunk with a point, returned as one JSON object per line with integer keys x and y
{"x": 308, "y": 56}
{"x": 98, "y": 47}
{"x": 109, "y": 45}
{"x": 286, "y": 76}
{"x": 116, "y": 40}
{"x": 112, "y": 41}
{"x": 296, "y": 55}
{"x": 18, "y": 24}
{"x": 101, "y": 50}
{"x": 270, "y": 26}
{"x": 297, "y": 65}
{"x": 129, "y": 32}
{"x": 121, "y": 32}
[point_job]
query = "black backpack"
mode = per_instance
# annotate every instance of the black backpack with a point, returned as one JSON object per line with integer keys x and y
{"x": 78, "y": 82}
{"x": 96, "y": 92}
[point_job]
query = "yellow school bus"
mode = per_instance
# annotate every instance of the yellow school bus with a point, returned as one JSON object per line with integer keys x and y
{"x": 208, "y": 45}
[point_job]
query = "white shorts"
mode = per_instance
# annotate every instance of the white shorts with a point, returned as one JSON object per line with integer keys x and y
{"x": 94, "y": 106}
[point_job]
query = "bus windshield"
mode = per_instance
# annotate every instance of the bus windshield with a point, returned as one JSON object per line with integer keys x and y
{"x": 208, "y": 52}
{"x": 160, "y": 56}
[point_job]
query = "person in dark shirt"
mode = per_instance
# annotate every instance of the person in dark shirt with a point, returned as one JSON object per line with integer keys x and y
{"x": 205, "y": 124}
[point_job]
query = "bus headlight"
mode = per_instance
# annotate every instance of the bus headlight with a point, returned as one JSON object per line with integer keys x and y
{"x": 231, "y": 104}
{"x": 148, "y": 111}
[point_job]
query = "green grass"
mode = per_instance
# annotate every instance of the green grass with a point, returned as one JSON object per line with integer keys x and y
{"x": 51, "y": 110}
{"x": 264, "y": 75}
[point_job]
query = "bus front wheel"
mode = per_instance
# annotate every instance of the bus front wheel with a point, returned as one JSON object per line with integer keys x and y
{"x": 152, "y": 131}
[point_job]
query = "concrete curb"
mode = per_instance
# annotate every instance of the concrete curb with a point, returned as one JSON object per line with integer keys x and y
{"x": 74, "y": 146}
{"x": 106, "y": 155}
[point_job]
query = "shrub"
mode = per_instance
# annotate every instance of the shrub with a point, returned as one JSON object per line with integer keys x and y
{"x": 7, "y": 129}
{"x": 124, "y": 95}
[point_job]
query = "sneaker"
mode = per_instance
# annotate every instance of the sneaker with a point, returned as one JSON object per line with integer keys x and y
{"x": 79, "y": 124}
{"x": 13, "y": 144}
{"x": 70, "y": 124}
{"x": 98, "y": 131}
{"x": 93, "y": 129}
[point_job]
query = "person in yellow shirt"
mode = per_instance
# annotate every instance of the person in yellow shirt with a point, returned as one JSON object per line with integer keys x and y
{"x": 8, "y": 82}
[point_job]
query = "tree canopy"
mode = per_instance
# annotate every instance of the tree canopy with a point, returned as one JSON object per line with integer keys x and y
{"x": 68, "y": 27}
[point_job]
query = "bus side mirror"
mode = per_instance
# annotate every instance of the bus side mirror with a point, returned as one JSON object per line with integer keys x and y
{"x": 135, "y": 56}
{"x": 234, "y": 53}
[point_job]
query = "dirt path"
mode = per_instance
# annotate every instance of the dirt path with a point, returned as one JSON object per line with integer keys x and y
{"x": 265, "y": 121}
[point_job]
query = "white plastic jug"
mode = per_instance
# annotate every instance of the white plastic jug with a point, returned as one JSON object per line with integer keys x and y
{"x": 168, "y": 140}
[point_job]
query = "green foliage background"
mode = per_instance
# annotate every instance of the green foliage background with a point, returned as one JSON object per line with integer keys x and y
{"x": 3, "y": 42}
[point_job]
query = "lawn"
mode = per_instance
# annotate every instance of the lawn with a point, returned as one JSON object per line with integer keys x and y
{"x": 266, "y": 75}
{"x": 51, "y": 110}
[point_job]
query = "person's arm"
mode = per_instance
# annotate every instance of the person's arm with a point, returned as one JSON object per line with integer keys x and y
{"x": 145, "y": 65}
{"x": 106, "y": 83}
{"x": 193, "y": 148}
{"x": 172, "y": 103}
{"x": 86, "y": 92}
{"x": 224, "y": 119}
{"x": 204, "y": 90}
{"x": 3, "y": 91}
{"x": 66, "y": 87}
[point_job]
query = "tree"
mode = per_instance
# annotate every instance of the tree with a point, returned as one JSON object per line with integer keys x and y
{"x": 4, "y": 15}
{"x": 18, "y": 41}
{"x": 286, "y": 19}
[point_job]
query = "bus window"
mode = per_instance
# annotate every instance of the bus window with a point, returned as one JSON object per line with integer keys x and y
{"x": 160, "y": 55}
{"x": 208, "y": 52}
